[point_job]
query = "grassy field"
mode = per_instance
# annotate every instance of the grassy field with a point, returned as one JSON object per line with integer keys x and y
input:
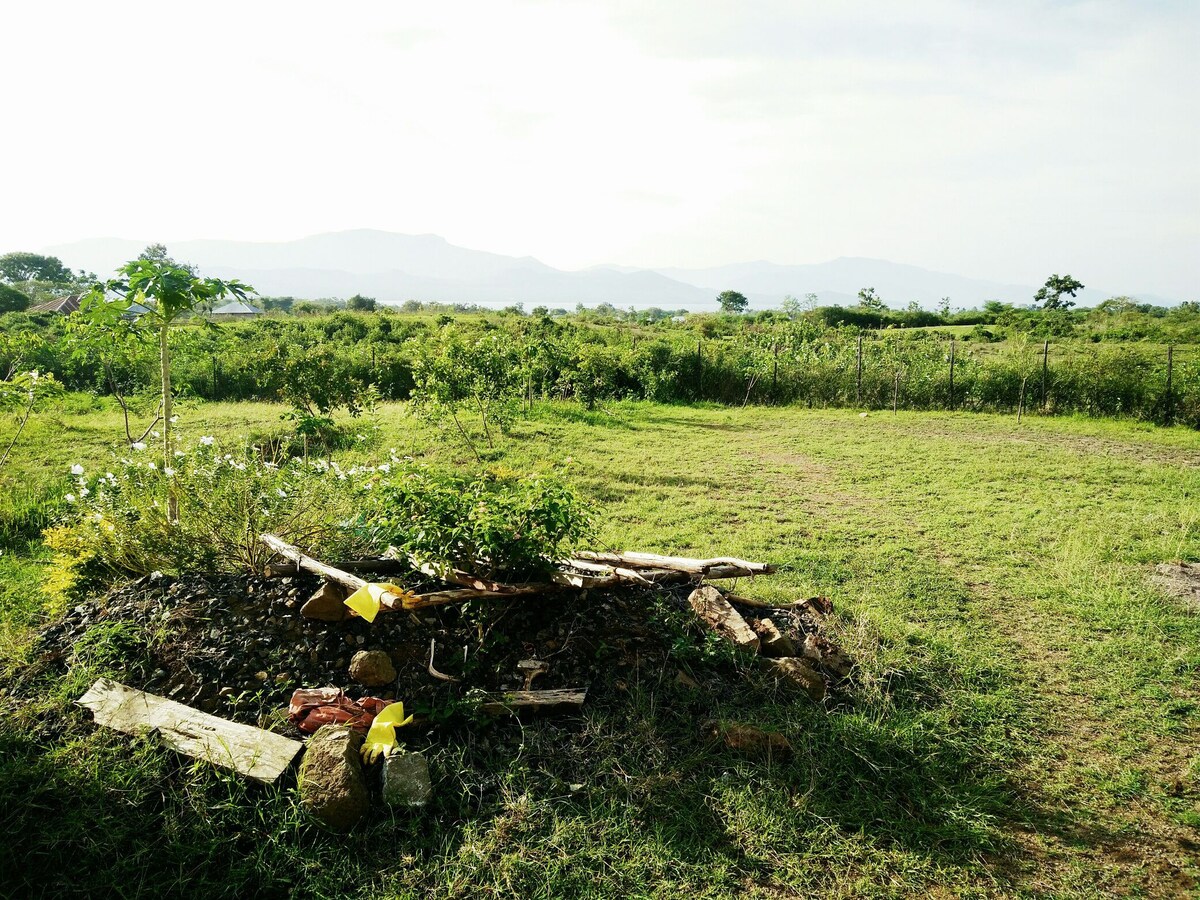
{"x": 1023, "y": 720}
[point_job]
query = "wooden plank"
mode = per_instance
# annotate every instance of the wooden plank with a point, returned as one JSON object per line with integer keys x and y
{"x": 513, "y": 701}
{"x": 259, "y": 754}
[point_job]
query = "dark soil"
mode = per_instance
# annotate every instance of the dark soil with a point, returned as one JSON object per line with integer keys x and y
{"x": 237, "y": 646}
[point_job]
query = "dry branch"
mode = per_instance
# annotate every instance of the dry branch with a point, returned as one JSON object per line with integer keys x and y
{"x": 514, "y": 701}
{"x": 387, "y": 600}
{"x": 730, "y": 567}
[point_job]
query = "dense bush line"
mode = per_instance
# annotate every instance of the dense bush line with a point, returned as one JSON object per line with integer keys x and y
{"x": 315, "y": 363}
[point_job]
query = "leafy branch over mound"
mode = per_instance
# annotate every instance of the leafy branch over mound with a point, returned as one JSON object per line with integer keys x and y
{"x": 494, "y": 524}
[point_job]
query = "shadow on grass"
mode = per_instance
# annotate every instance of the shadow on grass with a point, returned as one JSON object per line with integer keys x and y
{"x": 632, "y": 793}
{"x": 917, "y": 785}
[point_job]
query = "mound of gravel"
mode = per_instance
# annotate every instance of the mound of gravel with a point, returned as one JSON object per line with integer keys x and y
{"x": 237, "y": 646}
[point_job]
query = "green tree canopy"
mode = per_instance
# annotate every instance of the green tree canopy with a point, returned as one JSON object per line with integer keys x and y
{"x": 359, "y": 303}
{"x": 733, "y": 302}
{"x": 12, "y": 300}
{"x": 868, "y": 299}
{"x": 34, "y": 267}
{"x": 1050, "y": 295}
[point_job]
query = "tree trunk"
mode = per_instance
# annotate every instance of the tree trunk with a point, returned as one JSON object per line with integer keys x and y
{"x": 164, "y": 360}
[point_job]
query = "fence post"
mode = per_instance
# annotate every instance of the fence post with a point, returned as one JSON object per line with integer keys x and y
{"x": 1170, "y": 418}
{"x": 1045, "y": 370}
{"x": 775, "y": 372}
{"x": 858, "y": 375}
{"x": 951, "y": 373}
{"x": 699, "y": 368}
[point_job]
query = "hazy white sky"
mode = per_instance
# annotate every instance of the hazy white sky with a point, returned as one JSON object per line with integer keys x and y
{"x": 1001, "y": 140}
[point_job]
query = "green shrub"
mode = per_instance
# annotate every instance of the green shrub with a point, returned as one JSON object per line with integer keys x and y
{"x": 494, "y": 524}
{"x": 119, "y": 519}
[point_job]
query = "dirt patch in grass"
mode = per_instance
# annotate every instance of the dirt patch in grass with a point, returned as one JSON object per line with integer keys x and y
{"x": 1180, "y": 579}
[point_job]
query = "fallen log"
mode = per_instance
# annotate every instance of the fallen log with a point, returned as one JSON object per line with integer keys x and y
{"x": 261, "y": 755}
{"x": 462, "y": 595}
{"x": 382, "y": 566}
{"x": 466, "y": 579}
{"x": 388, "y": 600}
{"x": 618, "y": 576}
{"x": 731, "y": 567}
{"x": 513, "y": 701}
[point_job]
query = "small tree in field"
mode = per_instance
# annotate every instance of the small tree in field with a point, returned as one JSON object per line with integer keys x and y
{"x": 165, "y": 290}
{"x": 1050, "y": 295}
{"x": 733, "y": 302}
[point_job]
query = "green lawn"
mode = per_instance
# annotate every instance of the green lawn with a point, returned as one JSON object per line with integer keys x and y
{"x": 1023, "y": 721}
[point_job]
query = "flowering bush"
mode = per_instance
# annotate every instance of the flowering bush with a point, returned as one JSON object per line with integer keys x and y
{"x": 226, "y": 499}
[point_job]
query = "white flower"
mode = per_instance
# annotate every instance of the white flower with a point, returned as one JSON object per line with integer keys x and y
{"x": 361, "y": 437}
{"x": 83, "y": 492}
{"x": 138, "y": 445}
{"x": 385, "y": 468}
{"x": 174, "y": 419}
{"x": 77, "y": 469}
{"x": 168, "y": 471}
{"x": 280, "y": 492}
{"x": 151, "y": 465}
{"x": 70, "y": 498}
{"x": 179, "y": 454}
{"x": 155, "y": 434}
{"x": 207, "y": 440}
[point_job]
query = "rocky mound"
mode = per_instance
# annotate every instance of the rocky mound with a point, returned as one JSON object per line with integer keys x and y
{"x": 237, "y": 646}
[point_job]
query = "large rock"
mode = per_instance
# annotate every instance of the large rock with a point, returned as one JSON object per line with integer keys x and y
{"x": 406, "y": 780}
{"x": 372, "y": 668}
{"x": 718, "y": 614}
{"x": 332, "y": 784}
{"x": 326, "y": 604}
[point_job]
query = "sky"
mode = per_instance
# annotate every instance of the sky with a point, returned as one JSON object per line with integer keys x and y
{"x": 1002, "y": 140}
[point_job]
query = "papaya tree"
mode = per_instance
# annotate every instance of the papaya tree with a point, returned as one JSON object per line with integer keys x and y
{"x": 156, "y": 291}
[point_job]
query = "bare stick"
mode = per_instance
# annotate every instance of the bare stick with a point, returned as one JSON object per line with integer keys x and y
{"x": 434, "y": 672}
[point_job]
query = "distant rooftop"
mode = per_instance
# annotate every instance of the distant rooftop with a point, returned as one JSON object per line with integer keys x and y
{"x": 64, "y": 306}
{"x": 236, "y": 308}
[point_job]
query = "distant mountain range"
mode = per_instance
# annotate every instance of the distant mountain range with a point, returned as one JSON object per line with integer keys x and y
{"x": 398, "y": 267}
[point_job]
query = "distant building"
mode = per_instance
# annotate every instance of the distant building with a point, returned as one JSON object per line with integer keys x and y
{"x": 236, "y": 309}
{"x": 63, "y": 306}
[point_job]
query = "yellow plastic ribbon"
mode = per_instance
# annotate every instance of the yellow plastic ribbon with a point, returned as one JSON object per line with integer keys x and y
{"x": 381, "y": 739}
{"x": 367, "y": 600}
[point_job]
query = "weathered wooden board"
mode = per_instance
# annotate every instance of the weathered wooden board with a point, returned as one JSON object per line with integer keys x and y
{"x": 512, "y": 701}
{"x": 259, "y": 754}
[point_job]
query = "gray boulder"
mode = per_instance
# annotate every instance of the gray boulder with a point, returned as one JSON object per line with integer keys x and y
{"x": 406, "y": 780}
